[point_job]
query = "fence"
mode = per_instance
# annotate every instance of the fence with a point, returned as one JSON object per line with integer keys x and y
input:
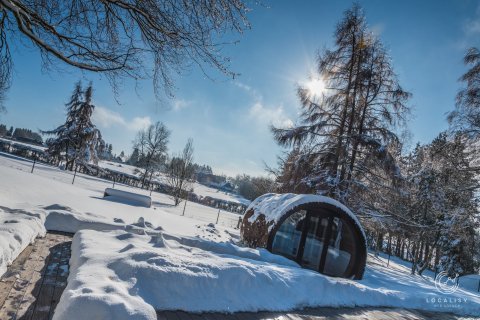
{"x": 220, "y": 217}
{"x": 188, "y": 209}
{"x": 36, "y": 153}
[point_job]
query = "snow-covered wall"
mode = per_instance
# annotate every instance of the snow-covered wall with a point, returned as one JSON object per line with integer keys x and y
{"x": 130, "y": 197}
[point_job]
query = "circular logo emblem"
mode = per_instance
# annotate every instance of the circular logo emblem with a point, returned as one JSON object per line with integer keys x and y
{"x": 446, "y": 284}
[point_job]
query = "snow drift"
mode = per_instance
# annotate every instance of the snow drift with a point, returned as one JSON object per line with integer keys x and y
{"x": 18, "y": 228}
{"x": 120, "y": 275}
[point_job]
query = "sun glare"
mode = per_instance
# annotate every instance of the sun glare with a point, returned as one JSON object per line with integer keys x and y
{"x": 315, "y": 87}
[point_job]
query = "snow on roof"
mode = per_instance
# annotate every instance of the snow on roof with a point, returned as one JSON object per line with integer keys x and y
{"x": 198, "y": 188}
{"x": 23, "y": 145}
{"x": 273, "y": 206}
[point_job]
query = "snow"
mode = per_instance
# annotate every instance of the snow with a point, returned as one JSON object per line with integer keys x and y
{"x": 128, "y": 261}
{"x": 273, "y": 206}
{"x": 121, "y": 275}
{"x": 129, "y": 197}
{"x": 198, "y": 189}
{"x": 470, "y": 282}
{"x": 82, "y": 204}
{"x": 18, "y": 229}
{"x": 23, "y": 145}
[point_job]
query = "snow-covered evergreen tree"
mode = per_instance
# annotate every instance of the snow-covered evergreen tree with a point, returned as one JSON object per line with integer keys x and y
{"x": 437, "y": 207}
{"x": 466, "y": 116}
{"x": 78, "y": 137}
{"x": 134, "y": 157}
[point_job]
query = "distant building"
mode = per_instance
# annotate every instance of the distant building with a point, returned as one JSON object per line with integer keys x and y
{"x": 209, "y": 179}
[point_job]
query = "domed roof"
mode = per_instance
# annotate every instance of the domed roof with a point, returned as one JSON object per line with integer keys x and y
{"x": 274, "y": 206}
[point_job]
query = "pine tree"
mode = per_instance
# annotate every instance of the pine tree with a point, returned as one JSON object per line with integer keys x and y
{"x": 466, "y": 116}
{"x": 134, "y": 157}
{"x": 77, "y": 138}
{"x": 101, "y": 147}
{"x": 459, "y": 241}
{"x": 109, "y": 151}
{"x": 437, "y": 206}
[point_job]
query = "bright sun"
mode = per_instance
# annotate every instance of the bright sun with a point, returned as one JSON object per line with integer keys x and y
{"x": 315, "y": 87}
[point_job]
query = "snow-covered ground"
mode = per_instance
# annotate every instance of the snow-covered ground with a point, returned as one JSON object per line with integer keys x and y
{"x": 122, "y": 275}
{"x": 138, "y": 260}
{"x": 198, "y": 189}
{"x": 49, "y": 186}
{"x": 18, "y": 228}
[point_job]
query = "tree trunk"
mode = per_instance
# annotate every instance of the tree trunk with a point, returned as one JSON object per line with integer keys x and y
{"x": 414, "y": 258}
{"x": 398, "y": 246}
{"x": 413, "y": 252}
{"x": 344, "y": 112}
{"x": 379, "y": 243}
{"x": 437, "y": 256}
{"x": 426, "y": 259}
{"x": 389, "y": 245}
{"x": 420, "y": 251}
{"x": 351, "y": 121}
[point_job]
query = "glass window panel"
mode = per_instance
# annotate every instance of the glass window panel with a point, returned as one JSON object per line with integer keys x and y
{"x": 316, "y": 233}
{"x": 287, "y": 238}
{"x": 340, "y": 249}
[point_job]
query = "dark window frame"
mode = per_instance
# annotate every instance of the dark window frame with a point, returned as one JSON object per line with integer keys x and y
{"x": 356, "y": 265}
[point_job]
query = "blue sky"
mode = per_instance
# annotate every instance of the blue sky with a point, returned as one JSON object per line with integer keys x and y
{"x": 229, "y": 119}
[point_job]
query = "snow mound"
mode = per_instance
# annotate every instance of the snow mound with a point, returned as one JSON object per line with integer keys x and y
{"x": 130, "y": 198}
{"x": 18, "y": 228}
{"x": 66, "y": 219}
{"x": 120, "y": 275}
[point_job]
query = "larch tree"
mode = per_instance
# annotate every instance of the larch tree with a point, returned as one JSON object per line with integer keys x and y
{"x": 350, "y": 127}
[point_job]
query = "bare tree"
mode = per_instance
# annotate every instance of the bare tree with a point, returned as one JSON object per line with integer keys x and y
{"x": 5, "y": 65}
{"x": 152, "y": 145}
{"x": 180, "y": 172}
{"x": 122, "y": 38}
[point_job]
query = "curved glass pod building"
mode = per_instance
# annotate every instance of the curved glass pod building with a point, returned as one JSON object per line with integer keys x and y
{"x": 317, "y": 232}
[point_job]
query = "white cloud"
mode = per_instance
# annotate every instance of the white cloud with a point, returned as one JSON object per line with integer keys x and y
{"x": 275, "y": 116}
{"x": 139, "y": 123}
{"x": 107, "y": 118}
{"x": 180, "y": 104}
{"x": 251, "y": 91}
{"x": 471, "y": 26}
{"x": 262, "y": 114}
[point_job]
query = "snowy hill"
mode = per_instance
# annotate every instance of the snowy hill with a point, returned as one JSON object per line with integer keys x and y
{"x": 199, "y": 189}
